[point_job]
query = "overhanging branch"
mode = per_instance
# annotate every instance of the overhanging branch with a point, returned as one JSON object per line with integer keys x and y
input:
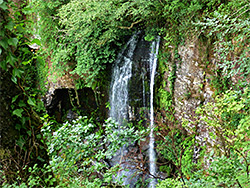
{"x": 131, "y": 26}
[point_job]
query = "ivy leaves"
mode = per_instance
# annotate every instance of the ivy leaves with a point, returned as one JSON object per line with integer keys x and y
{"x": 17, "y": 59}
{"x": 230, "y": 25}
{"x": 18, "y": 112}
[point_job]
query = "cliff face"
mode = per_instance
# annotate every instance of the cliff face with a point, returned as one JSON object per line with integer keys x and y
{"x": 192, "y": 84}
{"x": 192, "y": 76}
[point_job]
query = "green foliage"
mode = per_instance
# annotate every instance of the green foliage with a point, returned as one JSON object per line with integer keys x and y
{"x": 84, "y": 36}
{"x": 219, "y": 82}
{"x": 20, "y": 61}
{"x": 87, "y": 34}
{"x": 78, "y": 151}
{"x": 227, "y": 162}
{"x": 19, "y": 65}
{"x": 228, "y": 121}
{"x": 226, "y": 118}
{"x": 35, "y": 178}
{"x": 170, "y": 183}
{"x": 231, "y": 29}
{"x": 166, "y": 99}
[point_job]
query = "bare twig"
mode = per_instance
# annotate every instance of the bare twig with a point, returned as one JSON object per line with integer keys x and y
{"x": 131, "y": 26}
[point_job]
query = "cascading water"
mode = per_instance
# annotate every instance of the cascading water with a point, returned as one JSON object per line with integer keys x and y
{"x": 119, "y": 107}
{"x": 122, "y": 72}
{"x": 152, "y": 158}
{"x": 126, "y": 100}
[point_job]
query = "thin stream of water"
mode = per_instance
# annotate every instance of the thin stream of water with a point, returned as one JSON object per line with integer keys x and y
{"x": 152, "y": 155}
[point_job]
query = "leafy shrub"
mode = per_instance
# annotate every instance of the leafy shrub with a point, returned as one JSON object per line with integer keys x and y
{"x": 79, "y": 150}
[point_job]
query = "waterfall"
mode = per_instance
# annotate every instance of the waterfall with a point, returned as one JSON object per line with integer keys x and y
{"x": 119, "y": 107}
{"x": 153, "y": 64}
{"x": 122, "y": 72}
{"x": 127, "y": 99}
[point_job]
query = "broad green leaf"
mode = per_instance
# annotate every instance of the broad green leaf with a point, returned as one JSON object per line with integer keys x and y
{"x": 21, "y": 103}
{"x": 13, "y": 41}
{"x": 0, "y": 51}
{"x": 18, "y": 112}
{"x": 37, "y": 41}
{"x": 38, "y": 136}
{"x": 29, "y": 133}
{"x": 3, "y": 6}
{"x": 4, "y": 43}
{"x": 14, "y": 98}
{"x": 1, "y": 2}
{"x": 11, "y": 59}
{"x": 26, "y": 62}
{"x": 17, "y": 72}
{"x": 18, "y": 13}
{"x": 31, "y": 101}
{"x": 10, "y": 25}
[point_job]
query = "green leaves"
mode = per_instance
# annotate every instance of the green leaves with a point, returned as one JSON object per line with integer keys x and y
{"x": 3, "y": 5}
{"x": 230, "y": 25}
{"x": 36, "y": 41}
{"x": 18, "y": 112}
{"x": 13, "y": 41}
{"x": 78, "y": 146}
{"x": 31, "y": 101}
{"x": 89, "y": 37}
{"x": 228, "y": 117}
{"x": 17, "y": 72}
{"x": 10, "y": 25}
{"x": 14, "y": 79}
{"x": 4, "y": 43}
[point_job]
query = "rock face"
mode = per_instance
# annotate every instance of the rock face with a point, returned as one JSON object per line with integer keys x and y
{"x": 192, "y": 84}
{"x": 193, "y": 88}
{"x": 190, "y": 75}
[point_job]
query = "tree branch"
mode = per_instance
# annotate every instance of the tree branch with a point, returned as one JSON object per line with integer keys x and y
{"x": 131, "y": 26}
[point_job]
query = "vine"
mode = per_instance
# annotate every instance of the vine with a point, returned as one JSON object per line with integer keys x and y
{"x": 18, "y": 73}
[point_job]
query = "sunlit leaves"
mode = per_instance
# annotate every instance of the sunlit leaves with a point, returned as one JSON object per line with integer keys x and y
{"x": 31, "y": 101}
{"x": 3, "y": 5}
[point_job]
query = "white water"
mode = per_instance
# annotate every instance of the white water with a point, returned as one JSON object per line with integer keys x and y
{"x": 119, "y": 107}
{"x": 152, "y": 156}
{"x": 119, "y": 97}
{"x": 122, "y": 73}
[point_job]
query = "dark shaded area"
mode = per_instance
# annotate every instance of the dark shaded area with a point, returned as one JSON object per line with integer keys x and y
{"x": 139, "y": 86}
{"x": 66, "y": 103}
{"x": 7, "y": 122}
